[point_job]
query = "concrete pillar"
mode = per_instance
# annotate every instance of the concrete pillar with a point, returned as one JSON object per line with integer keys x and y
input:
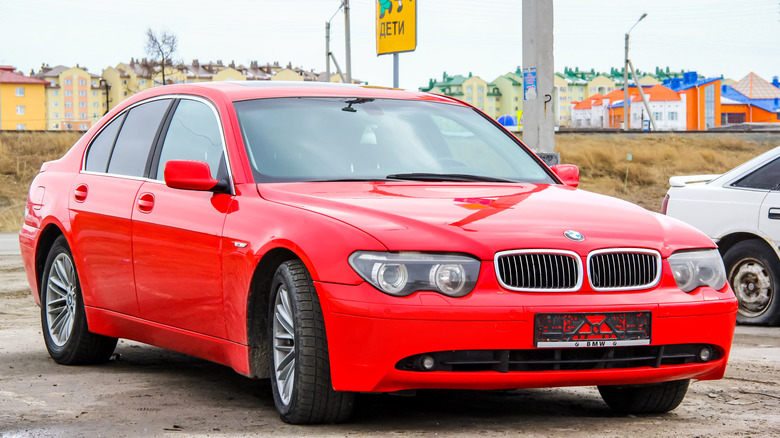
{"x": 538, "y": 69}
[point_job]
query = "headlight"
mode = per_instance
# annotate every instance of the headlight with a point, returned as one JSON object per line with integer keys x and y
{"x": 692, "y": 269}
{"x": 403, "y": 273}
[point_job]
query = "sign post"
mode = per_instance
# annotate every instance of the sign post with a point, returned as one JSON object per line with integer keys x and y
{"x": 396, "y": 29}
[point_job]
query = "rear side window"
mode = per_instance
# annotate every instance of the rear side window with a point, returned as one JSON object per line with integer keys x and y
{"x": 193, "y": 134}
{"x": 766, "y": 178}
{"x": 131, "y": 151}
{"x": 100, "y": 149}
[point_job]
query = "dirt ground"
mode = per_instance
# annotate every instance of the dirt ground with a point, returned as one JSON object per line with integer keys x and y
{"x": 146, "y": 391}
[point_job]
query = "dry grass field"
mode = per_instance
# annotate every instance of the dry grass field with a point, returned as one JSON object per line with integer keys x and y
{"x": 601, "y": 158}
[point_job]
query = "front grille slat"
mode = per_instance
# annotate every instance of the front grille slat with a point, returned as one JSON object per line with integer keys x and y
{"x": 623, "y": 268}
{"x": 539, "y": 270}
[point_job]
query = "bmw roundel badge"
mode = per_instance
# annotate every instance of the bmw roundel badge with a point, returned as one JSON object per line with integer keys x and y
{"x": 574, "y": 235}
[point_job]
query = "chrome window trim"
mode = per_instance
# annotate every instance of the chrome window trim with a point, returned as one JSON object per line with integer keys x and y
{"x": 658, "y": 270}
{"x": 574, "y": 255}
{"x": 171, "y": 97}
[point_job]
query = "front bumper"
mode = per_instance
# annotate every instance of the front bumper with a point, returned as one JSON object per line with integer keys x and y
{"x": 367, "y": 339}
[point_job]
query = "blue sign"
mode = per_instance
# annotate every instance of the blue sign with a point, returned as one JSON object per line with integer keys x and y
{"x": 529, "y": 83}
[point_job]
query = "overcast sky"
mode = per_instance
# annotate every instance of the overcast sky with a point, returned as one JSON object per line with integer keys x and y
{"x": 714, "y": 37}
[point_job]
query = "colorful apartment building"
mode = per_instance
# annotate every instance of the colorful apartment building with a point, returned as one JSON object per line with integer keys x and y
{"x": 667, "y": 109}
{"x": 510, "y": 89}
{"x": 22, "y": 101}
{"x": 702, "y": 100}
{"x": 472, "y": 89}
{"x": 751, "y": 100}
{"x": 75, "y": 99}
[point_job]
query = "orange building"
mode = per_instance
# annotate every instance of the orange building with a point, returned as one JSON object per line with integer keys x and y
{"x": 751, "y": 100}
{"x": 702, "y": 100}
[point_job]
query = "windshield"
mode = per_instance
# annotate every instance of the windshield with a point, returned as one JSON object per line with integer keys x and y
{"x": 337, "y": 139}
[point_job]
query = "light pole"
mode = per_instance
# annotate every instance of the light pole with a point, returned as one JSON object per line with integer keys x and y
{"x": 625, "y": 77}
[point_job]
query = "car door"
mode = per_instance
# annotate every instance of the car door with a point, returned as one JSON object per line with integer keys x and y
{"x": 768, "y": 178}
{"x": 177, "y": 233}
{"x": 101, "y": 205}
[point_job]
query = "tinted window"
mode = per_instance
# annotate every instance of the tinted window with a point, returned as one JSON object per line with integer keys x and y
{"x": 315, "y": 139}
{"x": 131, "y": 151}
{"x": 192, "y": 135}
{"x": 100, "y": 149}
{"x": 766, "y": 177}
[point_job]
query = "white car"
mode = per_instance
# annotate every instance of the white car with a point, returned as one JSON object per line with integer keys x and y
{"x": 740, "y": 211}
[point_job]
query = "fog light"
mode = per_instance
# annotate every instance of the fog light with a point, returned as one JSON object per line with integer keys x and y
{"x": 428, "y": 362}
{"x": 705, "y": 354}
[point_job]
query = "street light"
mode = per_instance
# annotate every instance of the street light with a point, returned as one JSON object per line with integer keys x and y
{"x": 625, "y": 76}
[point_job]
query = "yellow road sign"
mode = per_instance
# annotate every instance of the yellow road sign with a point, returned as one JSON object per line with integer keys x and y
{"x": 396, "y": 26}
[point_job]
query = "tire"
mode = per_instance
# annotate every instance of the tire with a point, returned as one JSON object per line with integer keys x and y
{"x": 63, "y": 318}
{"x": 300, "y": 368}
{"x": 753, "y": 271}
{"x": 656, "y": 398}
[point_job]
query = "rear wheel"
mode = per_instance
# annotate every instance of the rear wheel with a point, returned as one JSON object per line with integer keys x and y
{"x": 754, "y": 274}
{"x": 655, "y": 398}
{"x": 300, "y": 368}
{"x": 63, "y": 318}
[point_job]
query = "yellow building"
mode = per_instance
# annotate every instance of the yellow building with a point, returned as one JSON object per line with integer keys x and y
{"x": 510, "y": 87}
{"x": 472, "y": 89}
{"x": 124, "y": 80}
{"x": 74, "y": 98}
{"x": 22, "y": 101}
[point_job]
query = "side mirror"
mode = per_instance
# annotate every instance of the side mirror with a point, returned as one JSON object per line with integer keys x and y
{"x": 190, "y": 175}
{"x": 568, "y": 173}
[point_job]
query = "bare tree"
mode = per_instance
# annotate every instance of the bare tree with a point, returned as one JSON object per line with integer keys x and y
{"x": 161, "y": 47}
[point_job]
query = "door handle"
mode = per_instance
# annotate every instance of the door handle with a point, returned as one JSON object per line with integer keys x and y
{"x": 146, "y": 203}
{"x": 80, "y": 193}
{"x": 774, "y": 213}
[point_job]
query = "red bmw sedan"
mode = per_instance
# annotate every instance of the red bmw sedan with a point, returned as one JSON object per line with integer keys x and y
{"x": 340, "y": 239}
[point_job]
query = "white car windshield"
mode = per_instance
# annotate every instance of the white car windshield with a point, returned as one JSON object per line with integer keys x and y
{"x": 344, "y": 139}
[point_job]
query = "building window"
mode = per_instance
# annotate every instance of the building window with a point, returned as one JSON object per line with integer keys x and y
{"x": 83, "y": 93}
{"x": 95, "y": 84}
{"x": 52, "y": 83}
{"x": 68, "y": 82}
{"x": 515, "y": 98}
{"x": 658, "y": 116}
{"x": 94, "y": 94}
{"x": 55, "y": 103}
{"x": 20, "y": 109}
{"x": 124, "y": 82}
{"x": 68, "y": 104}
{"x": 20, "y": 127}
{"x": 68, "y": 93}
{"x": 480, "y": 90}
{"x": 469, "y": 89}
{"x": 56, "y": 115}
{"x": 480, "y": 99}
{"x": 82, "y": 82}
{"x": 68, "y": 115}
{"x": 94, "y": 115}
{"x": 55, "y": 92}
{"x": 672, "y": 116}
{"x": 94, "y": 104}
{"x": 83, "y": 126}
{"x": 562, "y": 89}
{"x": 82, "y": 104}
{"x": 143, "y": 82}
{"x": 83, "y": 115}
{"x": 709, "y": 106}
{"x": 125, "y": 93}
{"x": 19, "y": 91}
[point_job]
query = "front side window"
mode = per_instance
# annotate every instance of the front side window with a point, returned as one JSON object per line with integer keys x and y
{"x": 131, "y": 151}
{"x": 194, "y": 134}
{"x": 377, "y": 140}
{"x": 767, "y": 177}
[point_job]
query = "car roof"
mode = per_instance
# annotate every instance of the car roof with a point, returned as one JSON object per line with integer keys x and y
{"x": 746, "y": 167}
{"x": 246, "y": 90}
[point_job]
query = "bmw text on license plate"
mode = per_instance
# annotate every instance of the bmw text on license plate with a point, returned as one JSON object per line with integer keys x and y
{"x": 583, "y": 330}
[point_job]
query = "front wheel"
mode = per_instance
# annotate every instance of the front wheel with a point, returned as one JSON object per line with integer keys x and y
{"x": 754, "y": 274}
{"x": 300, "y": 367}
{"x": 63, "y": 318}
{"x": 655, "y": 398}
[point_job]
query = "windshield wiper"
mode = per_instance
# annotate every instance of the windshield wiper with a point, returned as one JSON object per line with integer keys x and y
{"x": 446, "y": 177}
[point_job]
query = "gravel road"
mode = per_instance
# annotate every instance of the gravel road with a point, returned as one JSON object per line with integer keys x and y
{"x": 146, "y": 391}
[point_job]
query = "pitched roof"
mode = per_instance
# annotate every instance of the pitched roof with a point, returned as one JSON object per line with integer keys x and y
{"x": 9, "y": 76}
{"x": 754, "y": 86}
{"x": 658, "y": 93}
{"x": 689, "y": 80}
{"x": 730, "y": 96}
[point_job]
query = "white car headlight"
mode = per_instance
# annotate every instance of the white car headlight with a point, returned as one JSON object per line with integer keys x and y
{"x": 692, "y": 269}
{"x": 403, "y": 273}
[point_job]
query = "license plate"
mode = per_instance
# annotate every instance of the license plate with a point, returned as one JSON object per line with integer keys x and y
{"x": 584, "y": 330}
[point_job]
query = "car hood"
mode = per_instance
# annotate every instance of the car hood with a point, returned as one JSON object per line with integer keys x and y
{"x": 483, "y": 218}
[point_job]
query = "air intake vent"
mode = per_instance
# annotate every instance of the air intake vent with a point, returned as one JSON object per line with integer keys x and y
{"x": 539, "y": 270}
{"x": 624, "y": 268}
